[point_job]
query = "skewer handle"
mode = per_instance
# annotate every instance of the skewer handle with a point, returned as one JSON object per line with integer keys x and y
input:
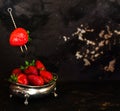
{"x": 10, "y": 12}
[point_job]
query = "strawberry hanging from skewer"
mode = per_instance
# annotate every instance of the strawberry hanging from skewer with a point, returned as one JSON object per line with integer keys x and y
{"x": 19, "y": 36}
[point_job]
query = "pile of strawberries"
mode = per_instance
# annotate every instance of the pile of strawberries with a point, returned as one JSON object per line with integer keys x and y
{"x": 33, "y": 73}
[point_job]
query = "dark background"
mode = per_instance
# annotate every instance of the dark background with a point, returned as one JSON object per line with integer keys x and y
{"x": 51, "y": 24}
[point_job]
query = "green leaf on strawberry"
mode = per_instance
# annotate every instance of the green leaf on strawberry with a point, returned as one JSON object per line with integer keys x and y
{"x": 29, "y": 39}
{"x": 27, "y": 64}
{"x": 12, "y": 78}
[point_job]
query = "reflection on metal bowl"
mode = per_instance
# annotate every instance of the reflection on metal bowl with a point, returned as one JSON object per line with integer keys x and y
{"x": 28, "y": 91}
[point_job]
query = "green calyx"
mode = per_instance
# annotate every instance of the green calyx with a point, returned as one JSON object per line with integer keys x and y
{"x": 27, "y": 63}
{"x": 13, "y": 78}
{"x": 54, "y": 79}
{"x": 41, "y": 69}
{"x": 29, "y": 39}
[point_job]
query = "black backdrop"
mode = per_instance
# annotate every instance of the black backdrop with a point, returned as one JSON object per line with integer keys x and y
{"x": 52, "y": 25}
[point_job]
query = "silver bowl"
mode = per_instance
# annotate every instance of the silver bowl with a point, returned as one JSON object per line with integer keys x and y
{"x": 28, "y": 91}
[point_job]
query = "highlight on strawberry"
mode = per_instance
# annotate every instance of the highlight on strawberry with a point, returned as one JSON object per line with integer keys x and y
{"x": 32, "y": 73}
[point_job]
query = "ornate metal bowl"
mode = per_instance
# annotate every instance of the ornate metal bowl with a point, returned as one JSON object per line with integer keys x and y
{"x": 28, "y": 91}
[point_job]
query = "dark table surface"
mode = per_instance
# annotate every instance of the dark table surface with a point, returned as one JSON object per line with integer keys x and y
{"x": 72, "y": 96}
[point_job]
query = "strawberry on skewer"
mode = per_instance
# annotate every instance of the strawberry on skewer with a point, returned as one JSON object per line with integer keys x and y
{"x": 19, "y": 36}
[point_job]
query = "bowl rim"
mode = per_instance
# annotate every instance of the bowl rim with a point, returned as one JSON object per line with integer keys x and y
{"x": 55, "y": 77}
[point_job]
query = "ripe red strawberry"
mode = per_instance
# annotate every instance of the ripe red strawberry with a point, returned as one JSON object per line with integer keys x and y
{"x": 46, "y": 75}
{"x": 18, "y": 37}
{"x": 16, "y": 71}
{"x": 31, "y": 70}
{"x": 22, "y": 79}
{"x": 39, "y": 65}
{"x": 35, "y": 80}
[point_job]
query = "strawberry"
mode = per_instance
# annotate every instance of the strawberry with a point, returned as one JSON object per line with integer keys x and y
{"x": 31, "y": 70}
{"x": 46, "y": 75}
{"x": 39, "y": 65}
{"x": 18, "y": 37}
{"x": 16, "y": 71}
{"x": 21, "y": 78}
{"x": 35, "y": 80}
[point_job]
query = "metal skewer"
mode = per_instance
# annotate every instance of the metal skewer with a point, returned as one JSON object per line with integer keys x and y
{"x": 10, "y": 12}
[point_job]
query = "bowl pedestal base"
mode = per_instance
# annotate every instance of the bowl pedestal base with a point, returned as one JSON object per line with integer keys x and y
{"x": 27, "y": 96}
